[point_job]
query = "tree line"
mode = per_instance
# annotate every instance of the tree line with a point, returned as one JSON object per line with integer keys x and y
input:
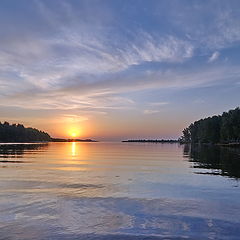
{"x": 224, "y": 128}
{"x": 18, "y": 133}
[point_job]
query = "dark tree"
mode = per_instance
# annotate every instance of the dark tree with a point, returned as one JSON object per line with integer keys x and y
{"x": 216, "y": 129}
{"x": 18, "y": 133}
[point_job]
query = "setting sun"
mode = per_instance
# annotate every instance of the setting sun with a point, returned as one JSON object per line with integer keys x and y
{"x": 74, "y": 133}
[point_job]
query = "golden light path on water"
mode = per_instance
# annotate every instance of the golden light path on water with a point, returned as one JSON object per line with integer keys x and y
{"x": 73, "y": 149}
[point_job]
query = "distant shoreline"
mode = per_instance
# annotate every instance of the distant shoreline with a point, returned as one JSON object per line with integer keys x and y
{"x": 151, "y": 141}
{"x": 45, "y": 142}
{"x": 71, "y": 140}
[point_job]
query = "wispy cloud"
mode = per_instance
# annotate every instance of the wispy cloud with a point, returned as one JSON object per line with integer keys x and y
{"x": 72, "y": 118}
{"x": 150, "y": 111}
{"x": 158, "y": 103}
{"x": 47, "y": 63}
{"x": 106, "y": 94}
{"x": 214, "y": 57}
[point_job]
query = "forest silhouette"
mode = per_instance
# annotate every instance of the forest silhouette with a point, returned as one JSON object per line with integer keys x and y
{"x": 18, "y": 133}
{"x": 217, "y": 129}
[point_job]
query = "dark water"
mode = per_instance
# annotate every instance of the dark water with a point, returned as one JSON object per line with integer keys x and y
{"x": 119, "y": 191}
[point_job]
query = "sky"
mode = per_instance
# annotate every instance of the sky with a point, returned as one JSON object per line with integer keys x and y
{"x": 113, "y": 70}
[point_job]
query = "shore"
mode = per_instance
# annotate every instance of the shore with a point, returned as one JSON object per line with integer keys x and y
{"x": 71, "y": 140}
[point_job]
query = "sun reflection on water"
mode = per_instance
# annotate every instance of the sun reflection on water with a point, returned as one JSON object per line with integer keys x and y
{"x": 73, "y": 149}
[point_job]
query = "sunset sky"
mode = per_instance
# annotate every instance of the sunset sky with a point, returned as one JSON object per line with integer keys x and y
{"x": 118, "y": 69}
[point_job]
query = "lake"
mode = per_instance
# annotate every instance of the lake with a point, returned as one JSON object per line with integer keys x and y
{"x": 118, "y": 191}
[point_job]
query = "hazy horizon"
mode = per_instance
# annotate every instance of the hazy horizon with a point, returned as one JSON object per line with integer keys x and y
{"x": 114, "y": 70}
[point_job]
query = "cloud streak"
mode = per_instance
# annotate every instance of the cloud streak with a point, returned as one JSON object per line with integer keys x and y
{"x": 214, "y": 57}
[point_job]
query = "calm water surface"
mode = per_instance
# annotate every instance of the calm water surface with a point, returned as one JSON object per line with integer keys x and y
{"x": 118, "y": 191}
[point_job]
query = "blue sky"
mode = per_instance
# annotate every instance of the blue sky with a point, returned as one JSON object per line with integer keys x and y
{"x": 118, "y": 69}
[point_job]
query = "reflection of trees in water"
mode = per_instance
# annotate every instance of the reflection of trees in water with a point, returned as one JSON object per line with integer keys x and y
{"x": 18, "y": 150}
{"x": 220, "y": 160}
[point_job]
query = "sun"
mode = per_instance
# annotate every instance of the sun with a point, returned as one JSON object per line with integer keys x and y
{"x": 73, "y": 134}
